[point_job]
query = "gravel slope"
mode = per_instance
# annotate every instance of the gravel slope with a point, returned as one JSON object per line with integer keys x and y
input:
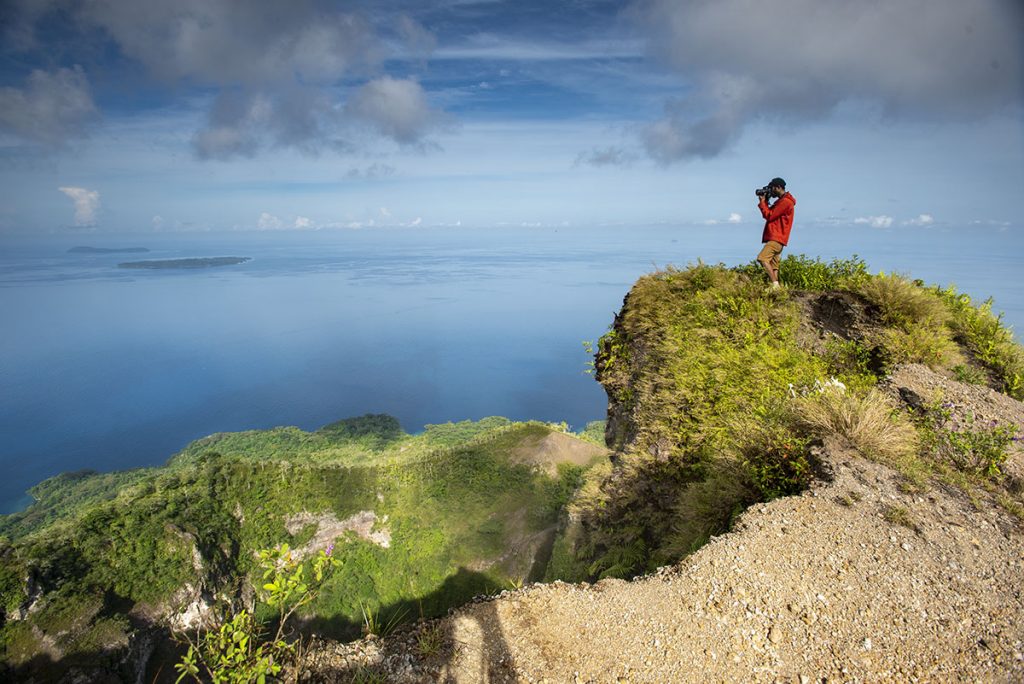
{"x": 816, "y": 587}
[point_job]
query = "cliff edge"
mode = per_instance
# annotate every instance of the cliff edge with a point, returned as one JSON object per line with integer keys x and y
{"x": 822, "y": 484}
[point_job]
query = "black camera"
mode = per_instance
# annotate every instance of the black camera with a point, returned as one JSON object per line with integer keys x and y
{"x": 764, "y": 192}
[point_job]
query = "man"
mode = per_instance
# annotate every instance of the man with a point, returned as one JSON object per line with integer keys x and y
{"x": 778, "y": 221}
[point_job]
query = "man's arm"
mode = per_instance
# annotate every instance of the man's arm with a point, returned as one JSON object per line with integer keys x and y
{"x": 782, "y": 207}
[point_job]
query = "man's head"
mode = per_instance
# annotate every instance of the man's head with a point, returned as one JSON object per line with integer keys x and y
{"x": 777, "y": 187}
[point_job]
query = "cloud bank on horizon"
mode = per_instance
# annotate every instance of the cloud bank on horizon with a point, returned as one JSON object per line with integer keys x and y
{"x": 503, "y": 96}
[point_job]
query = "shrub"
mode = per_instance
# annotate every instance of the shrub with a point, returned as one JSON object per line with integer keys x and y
{"x": 804, "y": 273}
{"x": 850, "y": 361}
{"x": 236, "y": 651}
{"x": 916, "y": 322}
{"x": 776, "y": 460}
{"x": 969, "y": 374}
{"x": 972, "y": 448}
{"x": 984, "y": 334}
{"x": 925, "y": 344}
{"x": 903, "y": 303}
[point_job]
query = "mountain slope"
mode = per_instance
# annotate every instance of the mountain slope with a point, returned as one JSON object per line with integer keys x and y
{"x": 854, "y": 417}
{"x": 417, "y": 522}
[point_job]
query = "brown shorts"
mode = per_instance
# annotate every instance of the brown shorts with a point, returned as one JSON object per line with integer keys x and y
{"x": 770, "y": 254}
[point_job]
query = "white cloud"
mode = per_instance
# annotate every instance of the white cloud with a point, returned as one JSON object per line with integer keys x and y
{"x": 227, "y": 43}
{"x": 302, "y": 222}
{"x": 903, "y": 57}
{"x": 52, "y": 108}
{"x": 273, "y": 69}
{"x": 396, "y": 108}
{"x": 87, "y": 204}
{"x": 882, "y": 221}
{"x": 415, "y": 222}
{"x": 268, "y": 221}
{"x": 921, "y": 220}
{"x": 733, "y": 218}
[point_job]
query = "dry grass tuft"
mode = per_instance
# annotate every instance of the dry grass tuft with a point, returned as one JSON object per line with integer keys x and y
{"x": 869, "y": 422}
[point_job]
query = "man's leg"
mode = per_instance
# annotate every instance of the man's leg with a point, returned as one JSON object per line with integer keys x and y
{"x": 769, "y": 259}
{"x": 775, "y": 263}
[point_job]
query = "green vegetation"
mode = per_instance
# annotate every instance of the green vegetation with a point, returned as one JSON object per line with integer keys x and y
{"x": 899, "y": 515}
{"x": 239, "y": 649}
{"x": 963, "y": 444}
{"x": 990, "y": 342}
{"x": 719, "y": 393}
{"x": 419, "y": 523}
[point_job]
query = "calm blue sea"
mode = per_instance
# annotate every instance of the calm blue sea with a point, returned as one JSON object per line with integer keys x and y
{"x": 108, "y": 368}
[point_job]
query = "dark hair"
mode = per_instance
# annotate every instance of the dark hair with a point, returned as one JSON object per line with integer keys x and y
{"x": 779, "y": 182}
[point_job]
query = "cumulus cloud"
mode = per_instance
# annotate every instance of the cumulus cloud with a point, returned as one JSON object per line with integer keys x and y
{"x": 52, "y": 108}
{"x": 302, "y": 222}
{"x": 272, "y": 67}
{"x": 268, "y": 221}
{"x": 239, "y": 124}
{"x": 396, "y": 108}
{"x": 733, "y": 218}
{"x": 805, "y": 58}
{"x": 87, "y": 204}
{"x": 881, "y": 221}
{"x": 224, "y": 42}
{"x": 921, "y": 220}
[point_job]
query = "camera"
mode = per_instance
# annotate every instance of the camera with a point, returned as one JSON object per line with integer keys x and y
{"x": 764, "y": 192}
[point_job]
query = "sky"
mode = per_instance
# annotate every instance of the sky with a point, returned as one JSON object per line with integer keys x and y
{"x": 139, "y": 116}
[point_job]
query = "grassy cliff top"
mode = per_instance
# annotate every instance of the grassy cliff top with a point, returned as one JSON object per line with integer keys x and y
{"x": 720, "y": 387}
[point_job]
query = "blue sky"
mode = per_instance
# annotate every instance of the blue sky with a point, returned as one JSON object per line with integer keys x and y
{"x": 205, "y": 115}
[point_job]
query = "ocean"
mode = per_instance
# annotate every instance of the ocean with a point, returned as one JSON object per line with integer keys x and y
{"x": 109, "y": 368}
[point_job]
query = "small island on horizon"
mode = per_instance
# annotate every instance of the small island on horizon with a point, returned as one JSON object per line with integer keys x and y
{"x": 196, "y": 262}
{"x": 107, "y": 250}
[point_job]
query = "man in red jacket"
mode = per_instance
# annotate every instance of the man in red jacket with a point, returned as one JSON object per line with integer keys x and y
{"x": 778, "y": 221}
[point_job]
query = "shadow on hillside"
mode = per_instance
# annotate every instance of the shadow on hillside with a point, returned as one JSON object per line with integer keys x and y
{"x": 149, "y": 657}
{"x": 428, "y": 649}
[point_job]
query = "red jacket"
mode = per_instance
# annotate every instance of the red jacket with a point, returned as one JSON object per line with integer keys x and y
{"x": 778, "y": 219}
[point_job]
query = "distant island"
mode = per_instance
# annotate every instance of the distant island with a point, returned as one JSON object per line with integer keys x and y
{"x": 107, "y": 250}
{"x": 199, "y": 262}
